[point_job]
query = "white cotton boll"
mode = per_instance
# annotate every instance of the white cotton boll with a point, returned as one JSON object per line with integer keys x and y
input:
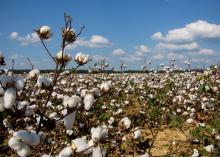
{"x": 24, "y": 151}
{"x": 45, "y": 155}
{"x": 98, "y": 152}
{"x": 14, "y": 143}
{"x": 96, "y": 133}
{"x": 1, "y": 91}
{"x": 83, "y": 92}
{"x": 88, "y": 102}
{"x": 69, "y": 120}
{"x": 29, "y": 110}
{"x": 71, "y": 102}
{"x": 80, "y": 144}
{"x": 209, "y": 148}
{"x": 190, "y": 120}
{"x": 111, "y": 120}
{"x": 43, "y": 81}
{"x": 195, "y": 153}
{"x": 29, "y": 138}
{"x": 105, "y": 87}
{"x": 66, "y": 152}
{"x": 19, "y": 83}
{"x": 137, "y": 133}
{"x": 99, "y": 133}
{"x": 9, "y": 97}
{"x": 126, "y": 122}
{"x": 22, "y": 104}
{"x": 34, "y": 73}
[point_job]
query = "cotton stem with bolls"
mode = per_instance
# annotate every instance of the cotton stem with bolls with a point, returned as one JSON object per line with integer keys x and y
{"x": 68, "y": 37}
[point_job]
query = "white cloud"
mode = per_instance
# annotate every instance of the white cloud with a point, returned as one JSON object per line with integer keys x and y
{"x": 176, "y": 56}
{"x": 16, "y": 56}
{"x": 119, "y": 52}
{"x": 204, "y": 52}
{"x": 158, "y": 56}
{"x": 191, "y": 32}
{"x": 96, "y": 41}
{"x": 14, "y": 35}
{"x": 26, "y": 40}
{"x": 178, "y": 47}
{"x": 141, "y": 50}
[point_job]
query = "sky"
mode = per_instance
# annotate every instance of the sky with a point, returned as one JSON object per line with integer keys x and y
{"x": 132, "y": 31}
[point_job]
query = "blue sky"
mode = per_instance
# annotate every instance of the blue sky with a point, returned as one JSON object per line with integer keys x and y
{"x": 126, "y": 30}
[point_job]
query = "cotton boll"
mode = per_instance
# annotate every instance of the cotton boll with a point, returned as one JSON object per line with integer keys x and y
{"x": 44, "y": 82}
{"x": 137, "y": 133}
{"x": 71, "y": 102}
{"x": 9, "y": 97}
{"x": 1, "y": 91}
{"x": 98, "y": 152}
{"x": 105, "y": 87}
{"x": 195, "y": 153}
{"x": 69, "y": 120}
{"x": 96, "y": 133}
{"x": 88, "y": 102}
{"x": 66, "y": 152}
{"x": 33, "y": 73}
{"x": 111, "y": 120}
{"x": 29, "y": 110}
{"x": 190, "y": 120}
{"x": 14, "y": 143}
{"x": 24, "y": 151}
{"x": 209, "y": 148}
{"x": 80, "y": 144}
{"x": 21, "y": 105}
{"x": 99, "y": 133}
{"x": 29, "y": 138}
{"x": 19, "y": 83}
{"x": 126, "y": 122}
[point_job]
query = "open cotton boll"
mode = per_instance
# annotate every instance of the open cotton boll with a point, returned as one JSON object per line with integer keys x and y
{"x": 209, "y": 148}
{"x": 24, "y": 151}
{"x": 9, "y": 97}
{"x": 99, "y": 133}
{"x": 29, "y": 138}
{"x": 66, "y": 152}
{"x": 69, "y": 120}
{"x": 88, "y": 102}
{"x": 105, "y": 87}
{"x": 137, "y": 133}
{"x": 21, "y": 105}
{"x": 43, "y": 81}
{"x": 34, "y": 73}
{"x": 14, "y": 143}
{"x": 19, "y": 83}
{"x": 71, "y": 102}
{"x": 80, "y": 144}
{"x": 1, "y": 91}
{"x": 98, "y": 152}
{"x": 195, "y": 153}
{"x": 126, "y": 122}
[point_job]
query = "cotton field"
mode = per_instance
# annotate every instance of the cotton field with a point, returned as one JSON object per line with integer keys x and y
{"x": 67, "y": 114}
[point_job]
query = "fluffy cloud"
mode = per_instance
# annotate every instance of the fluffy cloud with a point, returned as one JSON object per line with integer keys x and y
{"x": 158, "y": 56}
{"x": 118, "y": 52}
{"x": 204, "y": 52}
{"x": 26, "y": 40}
{"x": 176, "y": 56}
{"x": 96, "y": 41}
{"x": 191, "y": 32}
{"x": 178, "y": 47}
{"x": 141, "y": 50}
